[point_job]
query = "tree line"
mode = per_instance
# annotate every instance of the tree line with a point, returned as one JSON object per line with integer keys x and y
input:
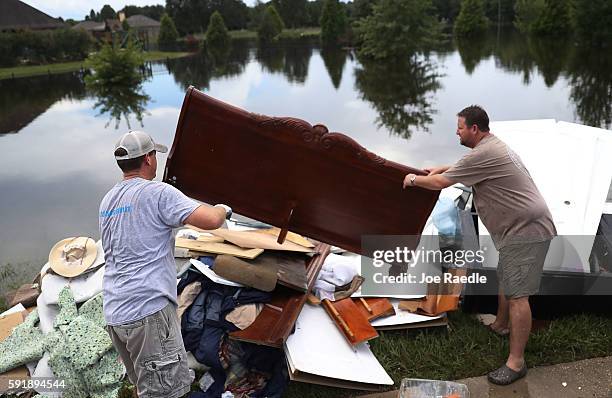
{"x": 589, "y": 20}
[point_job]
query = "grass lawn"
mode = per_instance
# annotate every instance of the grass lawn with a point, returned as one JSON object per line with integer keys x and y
{"x": 468, "y": 349}
{"x": 286, "y": 34}
{"x": 34, "y": 70}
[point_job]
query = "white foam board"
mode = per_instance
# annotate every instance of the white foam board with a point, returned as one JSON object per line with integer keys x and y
{"x": 318, "y": 348}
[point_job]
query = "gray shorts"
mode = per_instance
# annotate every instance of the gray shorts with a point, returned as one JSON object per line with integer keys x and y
{"x": 153, "y": 353}
{"x": 519, "y": 270}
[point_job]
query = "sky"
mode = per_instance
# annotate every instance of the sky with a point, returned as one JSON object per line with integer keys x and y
{"x": 77, "y": 9}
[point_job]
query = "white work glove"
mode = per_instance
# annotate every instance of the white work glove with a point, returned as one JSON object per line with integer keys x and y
{"x": 228, "y": 210}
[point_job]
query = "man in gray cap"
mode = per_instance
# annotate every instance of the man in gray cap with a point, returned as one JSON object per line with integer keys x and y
{"x": 137, "y": 217}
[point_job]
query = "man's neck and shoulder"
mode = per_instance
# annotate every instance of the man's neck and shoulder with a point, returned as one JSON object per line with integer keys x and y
{"x": 487, "y": 139}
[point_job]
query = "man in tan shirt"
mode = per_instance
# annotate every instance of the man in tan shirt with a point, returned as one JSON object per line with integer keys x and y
{"x": 517, "y": 217}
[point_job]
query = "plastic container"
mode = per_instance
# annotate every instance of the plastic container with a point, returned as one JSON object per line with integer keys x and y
{"x": 419, "y": 388}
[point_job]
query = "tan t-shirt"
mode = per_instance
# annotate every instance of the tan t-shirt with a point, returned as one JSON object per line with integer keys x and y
{"x": 506, "y": 198}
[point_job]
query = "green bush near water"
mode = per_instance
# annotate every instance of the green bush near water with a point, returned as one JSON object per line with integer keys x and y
{"x": 217, "y": 36}
{"x": 397, "y": 28}
{"x": 472, "y": 20}
{"x": 27, "y": 47}
{"x": 333, "y": 22}
{"x": 117, "y": 81}
{"x": 167, "y": 33}
{"x": 271, "y": 25}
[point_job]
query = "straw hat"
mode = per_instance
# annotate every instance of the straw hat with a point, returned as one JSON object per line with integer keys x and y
{"x": 72, "y": 256}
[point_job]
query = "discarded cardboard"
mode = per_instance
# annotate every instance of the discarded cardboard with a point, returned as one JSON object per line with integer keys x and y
{"x": 234, "y": 269}
{"x": 289, "y": 267}
{"x": 207, "y": 237}
{"x": 291, "y": 236}
{"x": 254, "y": 240}
{"x": 217, "y": 248}
{"x": 210, "y": 274}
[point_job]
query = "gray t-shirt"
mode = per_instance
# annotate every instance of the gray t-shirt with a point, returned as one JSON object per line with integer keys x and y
{"x": 137, "y": 218}
{"x": 507, "y": 200}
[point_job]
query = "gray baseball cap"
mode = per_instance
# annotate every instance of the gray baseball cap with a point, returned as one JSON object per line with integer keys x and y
{"x": 137, "y": 143}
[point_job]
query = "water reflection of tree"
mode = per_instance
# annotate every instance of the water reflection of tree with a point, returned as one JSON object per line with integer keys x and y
{"x": 550, "y": 56}
{"x": 334, "y": 59}
{"x": 197, "y": 70}
{"x": 473, "y": 50}
{"x": 289, "y": 57}
{"x": 401, "y": 92}
{"x": 512, "y": 53}
{"x": 122, "y": 100}
{"x": 588, "y": 71}
{"x": 591, "y": 82}
{"x": 517, "y": 53}
{"x": 23, "y": 100}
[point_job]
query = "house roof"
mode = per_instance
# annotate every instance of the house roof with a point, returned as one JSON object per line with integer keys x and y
{"x": 15, "y": 14}
{"x": 91, "y": 26}
{"x": 113, "y": 24}
{"x": 142, "y": 21}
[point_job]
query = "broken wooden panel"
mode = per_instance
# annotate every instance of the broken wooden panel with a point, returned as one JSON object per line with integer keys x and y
{"x": 275, "y": 322}
{"x": 290, "y": 174}
{"x": 374, "y": 307}
{"x": 350, "y": 321}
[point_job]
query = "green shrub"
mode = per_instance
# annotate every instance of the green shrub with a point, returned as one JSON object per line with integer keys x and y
{"x": 44, "y": 47}
{"x": 116, "y": 82}
{"x": 333, "y": 22}
{"x": 271, "y": 25}
{"x": 471, "y": 20}
{"x": 167, "y": 33}
{"x": 397, "y": 28}
{"x": 8, "y": 56}
{"x": 116, "y": 65}
{"x": 217, "y": 36}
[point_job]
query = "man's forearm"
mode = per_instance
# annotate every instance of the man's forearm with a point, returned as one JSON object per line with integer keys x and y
{"x": 434, "y": 182}
{"x": 439, "y": 170}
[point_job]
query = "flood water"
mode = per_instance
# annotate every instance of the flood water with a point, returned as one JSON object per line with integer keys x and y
{"x": 56, "y": 138}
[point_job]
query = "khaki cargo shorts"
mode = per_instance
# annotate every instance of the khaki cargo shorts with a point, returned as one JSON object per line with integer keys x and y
{"x": 153, "y": 353}
{"x": 519, "y": 270}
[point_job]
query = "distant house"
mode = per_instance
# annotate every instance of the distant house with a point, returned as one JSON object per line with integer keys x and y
{"x": 146, "y": 28}
{"x": 90, "y": 26}
{"x": 17, "y": 15}
{"x": 113, "y": 25}
{"x": 100, "y": 30}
